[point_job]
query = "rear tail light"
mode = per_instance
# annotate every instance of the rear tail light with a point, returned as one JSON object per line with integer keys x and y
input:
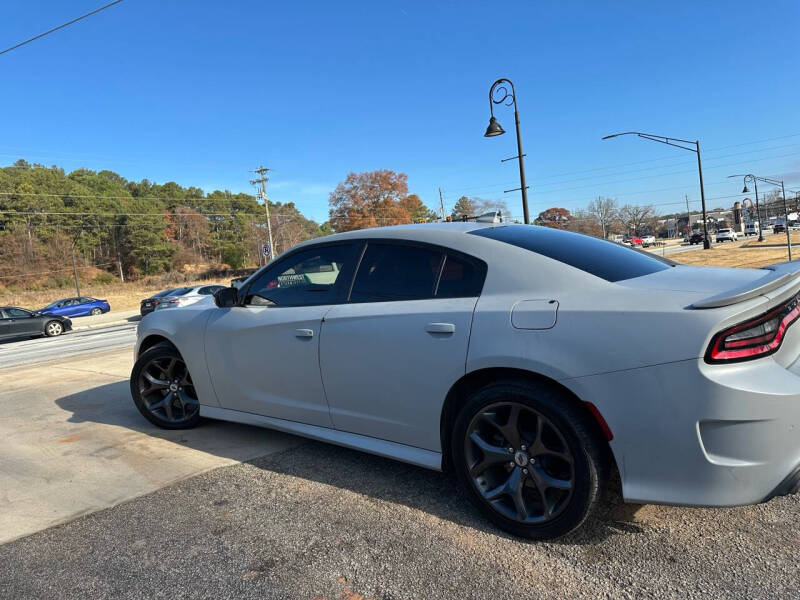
{"x": 755, "y": 338}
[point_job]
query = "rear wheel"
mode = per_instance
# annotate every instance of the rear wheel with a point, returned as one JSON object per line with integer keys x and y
{"x": 528, "y": 458}
{"x": 162, "y": 389}
{"x": 53, "y": 329}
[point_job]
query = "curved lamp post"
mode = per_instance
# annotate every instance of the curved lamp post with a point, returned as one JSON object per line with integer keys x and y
{"x": 671, "y": 142}
{"x": 755, "y": 179}
{"x": 499, "y": 94}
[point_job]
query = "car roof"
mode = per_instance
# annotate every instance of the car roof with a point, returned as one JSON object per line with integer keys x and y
{"x": 432, "y": 232}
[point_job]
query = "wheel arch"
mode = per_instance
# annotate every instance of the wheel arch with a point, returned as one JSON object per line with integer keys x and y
{"x": 474, "y": 380}
{"x": 154, "y": 339}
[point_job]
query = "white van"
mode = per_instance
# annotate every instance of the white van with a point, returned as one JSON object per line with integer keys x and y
{"x": 751, "y": 228}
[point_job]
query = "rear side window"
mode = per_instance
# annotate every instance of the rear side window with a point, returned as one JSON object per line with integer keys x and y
{"x": 461, "y": 278}
{"x": 396, "y": 272}
{"x": 601, "y": 258}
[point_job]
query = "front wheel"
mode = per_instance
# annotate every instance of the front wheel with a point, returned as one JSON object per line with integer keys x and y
{"x": 528, "y": 458}
{"x": 162, "y": 389}
{"x": 53, "y": 329}
{"x": 96, "y": 311}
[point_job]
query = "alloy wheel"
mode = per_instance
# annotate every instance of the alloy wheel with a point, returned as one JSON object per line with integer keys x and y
{"x": 96, "y": 311}
{"x": 54, "y": 328}
{"x": 519, "y": 462}
{"x": 167, "y": 391}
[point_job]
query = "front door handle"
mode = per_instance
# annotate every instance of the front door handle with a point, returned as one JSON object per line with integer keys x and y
{"x": 440, "y": 328}
{"x": 304, "y": 333}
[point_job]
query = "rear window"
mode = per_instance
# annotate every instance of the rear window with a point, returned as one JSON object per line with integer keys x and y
{"x": 601, "y": 258}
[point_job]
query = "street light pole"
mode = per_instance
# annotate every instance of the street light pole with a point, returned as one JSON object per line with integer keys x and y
{"x": 755, "y": 179}
{"x": 671, "y": 142}
{"x": 494, "y": 129}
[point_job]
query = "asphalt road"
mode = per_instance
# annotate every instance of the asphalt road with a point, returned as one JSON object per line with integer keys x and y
{"x": 322, "y": 522}
{"x": 21, "y": 352}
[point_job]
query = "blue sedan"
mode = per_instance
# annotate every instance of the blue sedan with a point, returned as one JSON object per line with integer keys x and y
{"x": 77, "y": 307}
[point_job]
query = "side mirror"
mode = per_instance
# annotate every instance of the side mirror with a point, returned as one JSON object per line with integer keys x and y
{"x": 226, "y": 297}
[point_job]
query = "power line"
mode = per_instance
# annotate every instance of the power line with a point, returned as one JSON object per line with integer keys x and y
{"x": 67, "y": 24}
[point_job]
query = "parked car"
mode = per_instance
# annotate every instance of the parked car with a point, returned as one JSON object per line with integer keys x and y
{"x": 778, "y": 228}
{"x": 726, "y": 235}
{"x": 648, "y": 240}
{"x": 148, "y": 305}
{"x": 188, "y": 295}
{"x": 632, "y": 240}
{"x": 751, "y": 228}
{"x": 484, "y": 349}
{"x": 794, "y": 226}
{"x": 697, "y": 237}
{"x": 238, "y": 281}
{"x": 20, "y": 322}
{"x": 79, "y": 306}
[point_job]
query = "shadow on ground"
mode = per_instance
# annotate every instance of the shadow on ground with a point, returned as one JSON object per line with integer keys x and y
{"x": 379, "y": 478}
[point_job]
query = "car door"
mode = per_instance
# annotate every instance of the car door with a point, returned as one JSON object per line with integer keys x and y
{"x": 263, "y": 356}
{"x": 390, "y": 354}
{"x": 85, "y": 306}
{"x": 70, "y": 307}
{"x": 5, "y": 324}
{"x": 22, "y": 322}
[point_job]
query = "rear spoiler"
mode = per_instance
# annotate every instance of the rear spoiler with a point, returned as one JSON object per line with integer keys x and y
{"x": 779, "y": 275}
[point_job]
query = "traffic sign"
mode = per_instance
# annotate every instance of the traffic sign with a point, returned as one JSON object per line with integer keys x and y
{"x": 265, "y": 250}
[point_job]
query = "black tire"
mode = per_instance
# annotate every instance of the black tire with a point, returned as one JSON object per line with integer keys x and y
{"x": 53, "y": 328}
{"x": 563, "y": 446}
{"x": 95, "y": 311}
{"x": 162, "y": 389}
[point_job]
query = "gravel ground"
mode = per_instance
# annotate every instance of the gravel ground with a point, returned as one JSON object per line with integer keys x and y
{"x": 321, "y": 522}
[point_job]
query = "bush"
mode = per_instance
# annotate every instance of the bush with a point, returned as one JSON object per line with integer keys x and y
{"x": 104, "y": 278}
{"x": 233, "y": 256}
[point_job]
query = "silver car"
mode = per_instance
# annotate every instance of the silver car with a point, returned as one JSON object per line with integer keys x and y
{"x": 187, "y": 296}
{"x": 512, "y": 355}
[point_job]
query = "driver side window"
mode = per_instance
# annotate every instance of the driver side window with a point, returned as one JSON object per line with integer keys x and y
{"x": 309, "y": 277}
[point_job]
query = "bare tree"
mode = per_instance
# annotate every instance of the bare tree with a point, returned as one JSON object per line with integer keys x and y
{"x": 605, "y": 211}
{"x": 635, "y": 217}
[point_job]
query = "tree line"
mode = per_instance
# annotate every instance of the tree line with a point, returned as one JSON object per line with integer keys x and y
{"x": 136, "y": 227}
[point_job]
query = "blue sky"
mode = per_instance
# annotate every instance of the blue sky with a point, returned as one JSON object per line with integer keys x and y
{"x": 199, "y": 92}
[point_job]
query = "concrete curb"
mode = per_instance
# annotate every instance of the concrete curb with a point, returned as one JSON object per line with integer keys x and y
{"x": 102, "y": 325}
{"x": 106, "y": 320}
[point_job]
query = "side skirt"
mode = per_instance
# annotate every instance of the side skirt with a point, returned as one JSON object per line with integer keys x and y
{"x": 409, "y": 454}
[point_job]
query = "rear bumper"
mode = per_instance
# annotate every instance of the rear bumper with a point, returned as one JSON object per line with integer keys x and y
{"x": 688, "y": 433}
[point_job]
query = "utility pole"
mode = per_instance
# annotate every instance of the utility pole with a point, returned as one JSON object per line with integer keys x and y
{"x": 441, "y": 203}
{"x": 688, "y": 216}
{"x": 75, "y": 269}
{"x": 263, "y": 179}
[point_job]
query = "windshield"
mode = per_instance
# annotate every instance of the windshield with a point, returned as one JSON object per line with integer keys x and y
{"x": 601, "y": 258}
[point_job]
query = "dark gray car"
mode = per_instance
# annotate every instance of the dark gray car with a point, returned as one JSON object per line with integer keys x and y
{"x": 19, "y": 322}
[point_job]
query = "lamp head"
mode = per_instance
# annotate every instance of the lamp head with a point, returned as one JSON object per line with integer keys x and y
{"x": 494, "y": 128}
{"x": 745, "y": 190}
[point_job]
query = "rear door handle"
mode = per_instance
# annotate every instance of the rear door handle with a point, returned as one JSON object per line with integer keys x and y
{"x": 440, "y": 328}
{"x": 304, "y": 333}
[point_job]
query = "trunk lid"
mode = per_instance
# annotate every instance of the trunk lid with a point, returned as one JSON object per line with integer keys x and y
{"x": 715, "y": 287}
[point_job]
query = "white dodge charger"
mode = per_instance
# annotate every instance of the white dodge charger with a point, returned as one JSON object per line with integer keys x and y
{"x": 516, "y": 356}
